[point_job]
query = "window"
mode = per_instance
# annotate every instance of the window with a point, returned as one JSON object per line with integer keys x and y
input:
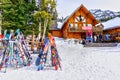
{"x": 70, "y": 25}
{"x": 76, "y": 26}
{"x": 80, "y": 19}
{"x": 90, "y": 25}
{"x": 84, "y": 24}
{"x": 118, "y": 34}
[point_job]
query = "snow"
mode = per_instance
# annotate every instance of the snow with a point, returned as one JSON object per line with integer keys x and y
{"x": 113, "y": 23}
{"x": 59, "y": 25}
{"x": 78, "y": 63}
{"x": 118, "y": 45}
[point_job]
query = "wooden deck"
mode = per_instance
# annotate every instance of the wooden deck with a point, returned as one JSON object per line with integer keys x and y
{"x": 101, "y": 45}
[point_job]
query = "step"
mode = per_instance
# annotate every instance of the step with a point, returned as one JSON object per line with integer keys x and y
{"x": 101, "y": 45}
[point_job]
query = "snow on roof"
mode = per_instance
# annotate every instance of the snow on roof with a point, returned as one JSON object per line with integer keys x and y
{"x": 113, "y": 23}
{"x": 59, "y": 25}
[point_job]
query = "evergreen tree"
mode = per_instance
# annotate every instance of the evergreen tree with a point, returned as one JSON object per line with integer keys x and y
{"x": 17, "y": 14}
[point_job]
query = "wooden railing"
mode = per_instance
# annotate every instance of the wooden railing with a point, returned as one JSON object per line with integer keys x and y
{"x": 73, "y": 29}
{"x": 94, "y": 29}
{"x": 97, "y": 29}
{"x": 33, "y": 45}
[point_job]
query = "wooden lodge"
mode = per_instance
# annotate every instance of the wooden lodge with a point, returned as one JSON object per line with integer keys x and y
{"x": 112, "y": 27}
{"x": 115, "y": 33}
{"x": 77, "y": 24}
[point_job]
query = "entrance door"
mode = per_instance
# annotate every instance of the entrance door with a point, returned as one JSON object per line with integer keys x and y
{"x": 83, "y": 35}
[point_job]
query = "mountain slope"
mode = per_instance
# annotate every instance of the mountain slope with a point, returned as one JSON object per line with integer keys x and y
{"x": 106, "y": 14}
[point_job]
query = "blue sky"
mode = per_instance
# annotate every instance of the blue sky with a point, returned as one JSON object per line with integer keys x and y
{"x": 66, "y": 7}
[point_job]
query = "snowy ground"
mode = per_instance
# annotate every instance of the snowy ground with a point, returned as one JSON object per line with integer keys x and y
{"x": 78, "y": 63}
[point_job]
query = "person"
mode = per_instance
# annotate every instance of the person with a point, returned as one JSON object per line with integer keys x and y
{"x": 100, "y": 38}
{"x": 106, "y": 37}
{"x": 40, "y": 40}
{"x": 83, "y": 42}
{"x": 95, "y": 38}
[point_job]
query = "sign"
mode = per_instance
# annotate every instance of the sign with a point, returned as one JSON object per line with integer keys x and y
{"x": 87, "y": 28}
{"x": 89, "y": 33}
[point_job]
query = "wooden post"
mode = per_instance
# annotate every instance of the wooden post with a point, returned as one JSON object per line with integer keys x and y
{"x": 32, "y": 43}
{"x": 0, "y": 22}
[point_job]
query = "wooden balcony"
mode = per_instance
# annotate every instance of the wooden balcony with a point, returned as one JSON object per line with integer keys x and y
{"x": 97, "y": 29}
{"x": 94, "y": 29}
{"x": 76, "y": 30}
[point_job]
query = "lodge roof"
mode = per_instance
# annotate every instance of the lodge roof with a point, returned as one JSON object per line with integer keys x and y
{"x": 81, "y": 7}
{"x": 111, "y": 24}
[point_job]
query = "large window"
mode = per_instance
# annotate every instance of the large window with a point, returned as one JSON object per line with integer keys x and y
{"x": 80, "y": 19}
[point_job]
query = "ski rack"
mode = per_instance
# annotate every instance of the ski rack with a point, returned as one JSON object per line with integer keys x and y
{"x": 14, "y": 53}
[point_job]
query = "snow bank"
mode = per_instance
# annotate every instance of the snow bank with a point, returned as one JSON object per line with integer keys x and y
{"x": 68, "y": 42}
{"x": 118, "y": 45}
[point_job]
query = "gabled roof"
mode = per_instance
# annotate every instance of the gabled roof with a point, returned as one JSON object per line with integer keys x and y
{"x": 86, "y": 12}
{"x": 111, "y": 24}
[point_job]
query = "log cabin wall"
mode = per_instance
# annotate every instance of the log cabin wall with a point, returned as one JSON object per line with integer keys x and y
{"x": 112, "y": 31}
{"x": 74, "y": 35}
{"x": 64, "y": 31}
{"x": 115, "y": 32}
{"x": 56, "y": 33}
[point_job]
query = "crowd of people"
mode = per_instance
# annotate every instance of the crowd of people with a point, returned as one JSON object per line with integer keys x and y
{"x": 100, "y": 38}
{"x": 103, "y": 38}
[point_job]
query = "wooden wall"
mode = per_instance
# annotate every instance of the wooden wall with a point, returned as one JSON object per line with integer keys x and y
{"x": 56, "y": 33}
{"x": 76, "y": 35}
{"x": 112, "y": 31}
{"x": 115, "y": 33}
{"x": 64, "y": 31}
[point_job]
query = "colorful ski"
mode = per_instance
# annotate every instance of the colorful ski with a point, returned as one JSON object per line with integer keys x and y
{"x": 54, "y": 53}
